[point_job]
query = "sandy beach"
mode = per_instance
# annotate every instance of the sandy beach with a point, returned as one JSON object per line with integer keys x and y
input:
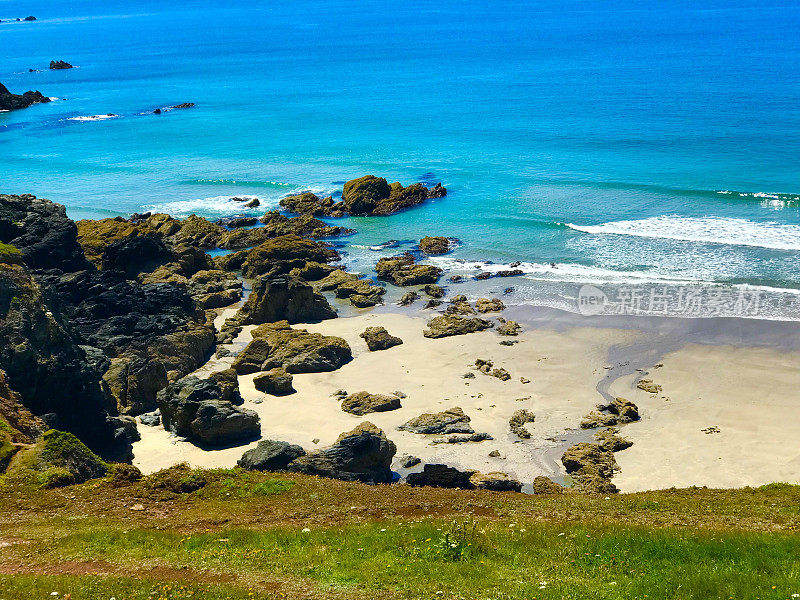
{"x": 703, "y": 387}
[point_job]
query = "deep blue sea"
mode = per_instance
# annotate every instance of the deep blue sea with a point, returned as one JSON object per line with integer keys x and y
{"x": 645, "y": 144}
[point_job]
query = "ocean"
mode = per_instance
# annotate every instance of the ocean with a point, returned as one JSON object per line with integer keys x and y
{"x": 643, "y": 149}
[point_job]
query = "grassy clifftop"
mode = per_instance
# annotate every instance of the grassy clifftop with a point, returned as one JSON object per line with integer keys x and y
{"x": 232, "y": 534}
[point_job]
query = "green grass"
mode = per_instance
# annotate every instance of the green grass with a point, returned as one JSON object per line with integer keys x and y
{"x": 513, "y": 561}
{"x": 94, "y": 587}
{"x": 306, "y": 537}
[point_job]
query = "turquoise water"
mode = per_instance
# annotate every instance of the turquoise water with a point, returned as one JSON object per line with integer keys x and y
{"x": 625, "y": 143}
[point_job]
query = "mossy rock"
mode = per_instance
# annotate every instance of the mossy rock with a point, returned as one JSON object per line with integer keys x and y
{"x": 10, "y": 255}
{"x": 178, "y": 479}
{"x": 63, "y": 450}
{"x": 57, "y": 477}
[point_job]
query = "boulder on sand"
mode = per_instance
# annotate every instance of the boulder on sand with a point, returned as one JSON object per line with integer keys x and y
{"x": 363, "y": 454}
{"x": 296, "y": 350}
{"x": 378, "y": 338}
{"x": 277, "y": 382}
{"x": 592, "y": 466}
{"x": 518, "y": 420}
{"x": 270, "y": 455}
{"x": 363, "y": 403}
{"x": 448, "y": 325}
{"x": 194, "y": 408}
{"x": 452, "y": 420}
{"x": 495, "y": 481}
{"x": 441, "y": 476}
{"x": 484, "y": 305}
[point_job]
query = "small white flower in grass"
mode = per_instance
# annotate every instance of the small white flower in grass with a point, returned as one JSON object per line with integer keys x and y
{"x": 54, "y": 593}
{"x": 795, "y": 595}
{"x": 560, "y": 534}
{"x": 612, "y": 583}
{"x": 382, "y": 530}
{"x": 306, "y": 530}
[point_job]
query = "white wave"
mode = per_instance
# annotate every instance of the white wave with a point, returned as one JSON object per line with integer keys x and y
{"x": 216, "y": 206}
{"x": 94, "y": 117}
{"x": 709, "y": 230}
{"x": 565, "y": 272}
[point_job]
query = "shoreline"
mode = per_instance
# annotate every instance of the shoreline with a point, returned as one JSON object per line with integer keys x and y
{"x": 573, "y": 363}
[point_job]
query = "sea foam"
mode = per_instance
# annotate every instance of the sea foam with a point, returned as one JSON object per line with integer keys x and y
{"x": 708, "y": 230}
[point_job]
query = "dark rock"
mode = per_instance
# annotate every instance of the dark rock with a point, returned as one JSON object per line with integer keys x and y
{"x": 59, "y": 64}
{"x": 308, "y": 204}
{"x": 363, "y": 454}
{"x": 228, "y": 383}
{"x": 495, "y": 481}
{"x": 152, "y": 419}
{"x": 610, "y": 440}
{"x": 29, "y": 18}
{"x": 448, "y": 325}
{"x": 509, "y": 273}
{"x": 277, "y": 382}
{"x": 254, "y": 203}
{"x": 9, "y": 101}
{"x": 449, "y": 421}
{"x": 236, "y": 222}
{"x": 432, "y": 303}
{"x": 408, "y": 462}
{"x": 378, "y": 338}
{"x": 455, "y": 278}
{"x": 363, "y": 403}
{"x": 270, "y": 455}
{"x": 433, "y": 290}
{"x": 462, "y": 439}
{"x": 483, "y": 276}
{"x": 442, "y": 476}
{"x": 194, "y": 408}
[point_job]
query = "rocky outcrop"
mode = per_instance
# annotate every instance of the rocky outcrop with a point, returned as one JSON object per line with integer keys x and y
{"x": 610, "y": 440}
{"x": 508, "y": 328}
{"x": 228, "y": 382}
{"x": 545, "y": 485}
{"x": 435, "y": 245}
{"x": 362, "y": 293}
{"x": 442, "y": 476}
{"x": 59, "y": 64}
{"x": 9, "y": 101}
{"x": 408, "y": 298}
{"x": 363, "y": 403}
{"x": 484, "y": 305}
{"x": 277, "y": 382}
{"x": 194, "y": 408}
{"x": 377, "y": 338}
{"x": 403, "y": 270}
{"x": 278, "y": 256}
{"x": 433, "y": 290}
{"x": 296, "y": 350}
{"x": 517, "y": 423}
{"x": 270, "y": 455}
{"x": 618, "y": 412}
{"x": 365, "y": 196}
{"x": 449, "y": 421}
{"x": 591, "y": 466}
{"x": 363, "y": 454}
{"x": 283, "y": 298}
{"x": 449, "y": 325}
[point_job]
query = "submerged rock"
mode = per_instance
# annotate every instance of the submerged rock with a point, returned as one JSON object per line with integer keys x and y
{"x": 449, "y": 421}
{"x": 363, "y": 403}
{"x": 378, "y": 338}
{"x": 408, "y": 298}
{"x": 270, "y": 455}
{"x": 363, "y": 454}
{"x": 449, "y": 325}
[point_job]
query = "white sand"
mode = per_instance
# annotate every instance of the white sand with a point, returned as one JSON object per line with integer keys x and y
{"x": 751, "y": 394}
{"x": 563, "y": 368}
